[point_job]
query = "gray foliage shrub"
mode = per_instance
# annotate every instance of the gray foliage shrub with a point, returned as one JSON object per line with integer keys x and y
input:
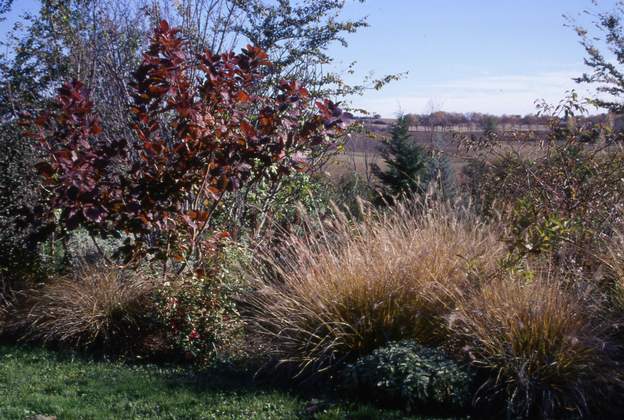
{"x": 349, "y": 190}
{"x": 81, "y": 248}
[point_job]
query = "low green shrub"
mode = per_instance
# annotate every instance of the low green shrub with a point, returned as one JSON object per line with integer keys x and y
{"x": 198, "y": 312}
{"x": 410, "y": 375}
{"x": 199, "y": 317}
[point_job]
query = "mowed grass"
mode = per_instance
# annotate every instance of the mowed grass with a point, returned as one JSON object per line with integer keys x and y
{"x": 34, "y": 381}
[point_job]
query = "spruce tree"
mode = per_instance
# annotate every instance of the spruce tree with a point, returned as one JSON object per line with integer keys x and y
{"x": 408, "y": 168}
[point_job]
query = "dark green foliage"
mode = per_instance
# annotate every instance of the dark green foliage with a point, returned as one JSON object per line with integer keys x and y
{"x": 408, "y": 168}
{"x": 411, "y": 169}
{"x": 18, "y": 192}
{"x": 411, "y": 375}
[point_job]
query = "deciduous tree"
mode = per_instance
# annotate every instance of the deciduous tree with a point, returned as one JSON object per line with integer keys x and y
{"x": 200, "y": 133}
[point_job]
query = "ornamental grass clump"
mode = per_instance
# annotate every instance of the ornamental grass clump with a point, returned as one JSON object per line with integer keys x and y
{"x": 345, "y": 289}
{"x": 95, "y": 305}
{"x": 542, "y": 343}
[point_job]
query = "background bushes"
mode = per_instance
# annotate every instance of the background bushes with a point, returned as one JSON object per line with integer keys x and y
{"x": 565, "y": 201}
{"x": 19, "y": 191}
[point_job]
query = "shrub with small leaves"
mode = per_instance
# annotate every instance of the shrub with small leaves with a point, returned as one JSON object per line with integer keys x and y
{"x": 559, "y": 194}
{"x": 19, "y": 254}
{"x": 407, "y": 373}
{"x": 199, "y": 313}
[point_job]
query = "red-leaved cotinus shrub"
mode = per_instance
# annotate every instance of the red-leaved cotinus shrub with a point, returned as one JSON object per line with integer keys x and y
{"x": 204, "y": 125}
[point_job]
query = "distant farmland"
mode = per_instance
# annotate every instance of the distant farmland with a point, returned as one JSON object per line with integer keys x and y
{"x": 362, "y": 150}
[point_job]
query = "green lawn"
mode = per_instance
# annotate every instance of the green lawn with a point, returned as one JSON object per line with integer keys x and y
{"x": 41, "y": 382}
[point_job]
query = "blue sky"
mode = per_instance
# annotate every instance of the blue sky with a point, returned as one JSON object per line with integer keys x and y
{"x": 495, "y": 56}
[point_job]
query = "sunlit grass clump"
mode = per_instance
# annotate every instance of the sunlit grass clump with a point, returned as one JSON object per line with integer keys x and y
{"x": 95, "y": 305}
{"x": 347, "y": 288}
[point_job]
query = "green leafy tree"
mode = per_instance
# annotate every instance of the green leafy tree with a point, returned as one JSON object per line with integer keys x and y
{"x": 604, "y": 47}
{"x": 36, "y": 60}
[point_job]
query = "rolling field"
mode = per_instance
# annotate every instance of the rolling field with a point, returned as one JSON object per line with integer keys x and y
{"x": 362, "y": 151}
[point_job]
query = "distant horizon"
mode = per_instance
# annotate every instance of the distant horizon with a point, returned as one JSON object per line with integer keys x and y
{"x": 592, "y": 112}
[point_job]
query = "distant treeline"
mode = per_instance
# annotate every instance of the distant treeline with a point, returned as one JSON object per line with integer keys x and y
{"x": 481, "y": 121}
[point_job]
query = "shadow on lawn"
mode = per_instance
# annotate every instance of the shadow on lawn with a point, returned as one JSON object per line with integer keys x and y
{"x": 47, "y": 370}
{"x": 225, "y": 383}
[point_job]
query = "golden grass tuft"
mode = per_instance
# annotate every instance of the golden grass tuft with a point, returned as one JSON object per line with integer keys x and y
{"x": 94, "y": 305}
{"x": 348, "y": 288}
{"x": 539, "y": 339}
{"x": 614, "y": 261}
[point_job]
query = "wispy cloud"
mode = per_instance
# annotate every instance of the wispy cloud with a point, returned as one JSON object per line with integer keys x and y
{"x": 497, "y": 94}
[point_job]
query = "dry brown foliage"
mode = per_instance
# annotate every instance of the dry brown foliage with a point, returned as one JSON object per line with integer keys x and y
{"x": 351, "y": 287}
{"x": 93, "y": 305}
